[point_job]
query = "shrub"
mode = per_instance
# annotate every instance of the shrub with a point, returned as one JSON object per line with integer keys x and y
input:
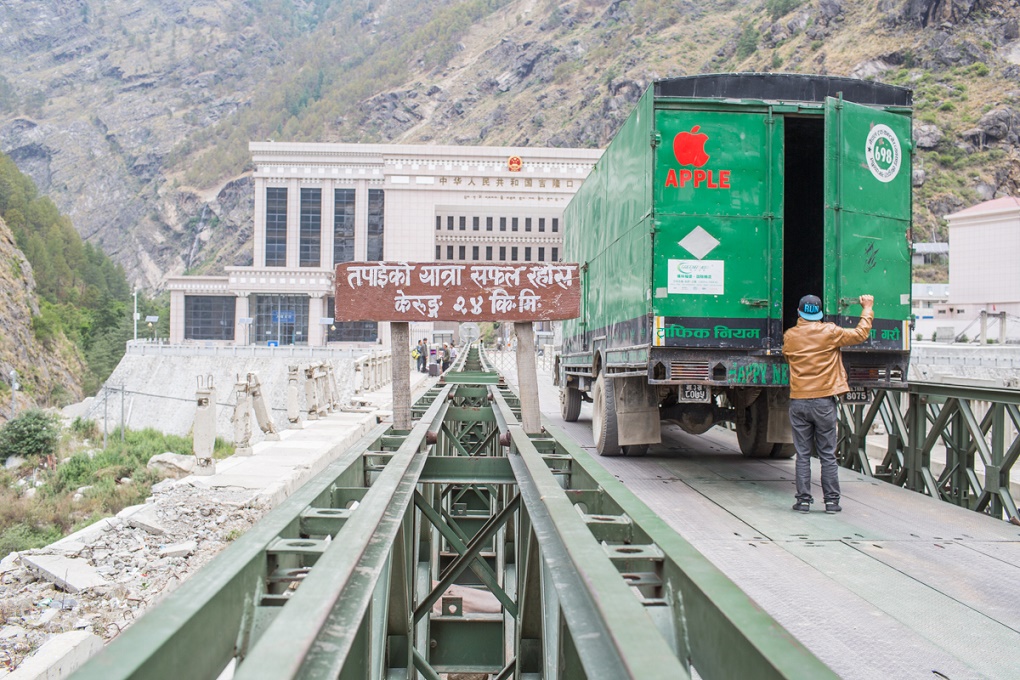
{"x": 747, "y": 43}
{"x": 33, "y": 433}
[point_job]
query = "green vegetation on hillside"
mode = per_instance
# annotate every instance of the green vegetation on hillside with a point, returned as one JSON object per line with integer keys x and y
{"x": 320, "y": 86}
{"x": 83, "y": 294}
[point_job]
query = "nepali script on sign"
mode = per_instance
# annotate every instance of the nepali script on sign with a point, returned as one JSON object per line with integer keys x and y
{"x": 422, "y": 291}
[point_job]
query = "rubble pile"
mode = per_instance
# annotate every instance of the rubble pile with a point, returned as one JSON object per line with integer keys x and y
{"x": 104, "y": 577}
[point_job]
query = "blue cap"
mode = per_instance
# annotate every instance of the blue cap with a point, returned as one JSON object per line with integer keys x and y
{"x": 810, "y": 308}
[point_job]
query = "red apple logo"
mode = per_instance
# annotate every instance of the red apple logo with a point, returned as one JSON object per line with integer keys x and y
{"x": 689, "y": 147}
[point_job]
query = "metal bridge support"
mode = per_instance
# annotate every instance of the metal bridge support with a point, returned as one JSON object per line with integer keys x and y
{"x": 262, "y": 415}
{"x": 204, "y": 431}
{"x": 242, "y": 419}
{"x": 973, "y": 432}
{"x": 293, "y": 407}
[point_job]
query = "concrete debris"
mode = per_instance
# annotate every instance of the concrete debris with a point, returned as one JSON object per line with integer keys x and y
{"x": 146, "y": 519}
{"x": 60, "y": 656}
{"x": 178, "y": 549}
{"x": 171, "y": 464}
{"x": 69, "y": 574}
{"x": 130, "y": 562}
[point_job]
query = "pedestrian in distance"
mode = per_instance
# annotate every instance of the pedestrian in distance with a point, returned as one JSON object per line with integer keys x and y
{"x": 817, "y": 378}
{"x": 446, "y": 356}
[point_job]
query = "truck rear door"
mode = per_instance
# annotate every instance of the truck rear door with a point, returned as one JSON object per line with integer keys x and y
{"x": 867, "y": 218}
{"x": 717, "y": 270}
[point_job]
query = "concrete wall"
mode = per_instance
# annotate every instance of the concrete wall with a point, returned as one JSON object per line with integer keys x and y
{"x": 159, "y": 391}
{"x": 994, "y": 365}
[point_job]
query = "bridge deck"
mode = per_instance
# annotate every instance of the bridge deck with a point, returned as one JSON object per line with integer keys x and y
{"x": 897, "y": 585}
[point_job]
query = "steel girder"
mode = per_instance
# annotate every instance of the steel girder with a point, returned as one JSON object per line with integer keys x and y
{"x": 977, "y": 427}
{"x": 464, "y": 545}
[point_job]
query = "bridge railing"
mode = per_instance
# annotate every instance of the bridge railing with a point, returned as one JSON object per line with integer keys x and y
{"x": 958, "y": 443}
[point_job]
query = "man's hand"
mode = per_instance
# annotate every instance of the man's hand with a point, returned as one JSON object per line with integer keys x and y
{"x": 867, "y": 301}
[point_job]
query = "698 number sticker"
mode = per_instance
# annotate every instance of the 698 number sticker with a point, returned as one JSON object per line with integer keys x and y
{"x": 883, "y": 153}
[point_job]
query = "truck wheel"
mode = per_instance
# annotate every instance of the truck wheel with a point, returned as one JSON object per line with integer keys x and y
{"x": 783, "y": 451}
{"x": 570, "y": 403}
{"x": 603, "y": 417}
{"x": 752, "y": 429}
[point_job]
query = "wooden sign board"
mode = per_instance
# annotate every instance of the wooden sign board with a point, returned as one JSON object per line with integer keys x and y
{"x": 445, "y": 291}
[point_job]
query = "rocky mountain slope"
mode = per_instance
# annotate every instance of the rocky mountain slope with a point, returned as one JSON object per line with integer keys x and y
{"x": 135, "y": 115}
{"x": 48, "y": 373}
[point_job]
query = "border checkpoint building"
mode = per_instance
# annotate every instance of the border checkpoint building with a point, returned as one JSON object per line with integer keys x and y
{"x": 317, "y": 205}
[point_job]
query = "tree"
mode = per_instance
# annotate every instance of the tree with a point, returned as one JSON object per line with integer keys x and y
{"x": 33, "y": 433}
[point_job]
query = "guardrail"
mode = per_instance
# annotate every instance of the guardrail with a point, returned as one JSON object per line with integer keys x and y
{"x": 954, "y": 442}
{"x": 143, "y": 348}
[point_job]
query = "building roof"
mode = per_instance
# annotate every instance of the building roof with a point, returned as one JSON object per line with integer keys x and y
{"x": 997, "y": 205}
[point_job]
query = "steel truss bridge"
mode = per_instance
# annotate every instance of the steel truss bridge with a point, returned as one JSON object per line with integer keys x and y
{"x": 464, "y": 545}
{"x": 468, "y": 548}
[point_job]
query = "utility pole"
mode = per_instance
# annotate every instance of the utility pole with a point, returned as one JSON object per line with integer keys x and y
{"x": 136, "y": 312}
{"x": 122, "y": 425}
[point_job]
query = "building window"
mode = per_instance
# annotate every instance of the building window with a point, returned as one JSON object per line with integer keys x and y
{"x": 449, "y": 222}
{"x": 541, "y": 224}
{"x": 449, "y": 252}
{"x": 555, "y": 254}
{"x": 488, "y": 224}
{"x": 527, "y": 224}
{"x": 513, "y": 224}
{"x": 474, "y": 223}
{"x": 488, "y": 253}
{"x": 463, "y": 222}
{"x": 282, "y": 319}
{"x": 276, "y": 226}
{"x": 474, "y": 252}
{"x": 309, "y": 254}
{"x": 376, "y": 224}
{"x": 502, "y": 253}
{"x": 541, "y": 254}
{"x": 513, "y": 253}
{"x": 502, "y": 224}
{"x": 439, "y": 252}
{"x": 209, "y": 317}
{"x": 439, "y": 222}
{"x": 460, "y": 253}
{"x": 350, "y": 331}
{"x": 343, "y": 225}
{"x": 527, "y": 253}
{"x": 555, "y": 224}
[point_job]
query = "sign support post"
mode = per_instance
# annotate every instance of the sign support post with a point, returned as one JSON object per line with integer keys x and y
{"x": 527, "y": 377}
{"x": 401, "y": 370}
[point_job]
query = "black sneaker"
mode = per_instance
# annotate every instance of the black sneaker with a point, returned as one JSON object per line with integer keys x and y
{"x": 802, "y": 506}
{"x": 832, "y": 507}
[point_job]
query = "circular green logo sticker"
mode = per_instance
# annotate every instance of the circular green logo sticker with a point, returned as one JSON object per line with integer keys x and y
{"x": 882, "y": 151}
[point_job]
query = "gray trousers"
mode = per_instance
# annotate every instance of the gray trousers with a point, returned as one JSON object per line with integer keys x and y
{"x": 814, "y": 426}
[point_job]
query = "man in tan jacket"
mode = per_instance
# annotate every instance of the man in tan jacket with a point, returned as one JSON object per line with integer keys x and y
{"x": 817, "y": 378}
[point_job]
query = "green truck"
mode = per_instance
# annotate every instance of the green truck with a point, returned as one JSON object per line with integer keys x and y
{"x": 721, "y": 201}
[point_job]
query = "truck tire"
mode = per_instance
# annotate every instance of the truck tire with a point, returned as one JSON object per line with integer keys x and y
{"x": 752, "y": 429}
{"x": 570, "y": 403}
{"x": 603, "y": 417}
{"x": 783, "y": 451}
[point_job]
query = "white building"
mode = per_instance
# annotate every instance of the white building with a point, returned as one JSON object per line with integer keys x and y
{"x": 317, "y": 205}
{"x": 984, "y": 248}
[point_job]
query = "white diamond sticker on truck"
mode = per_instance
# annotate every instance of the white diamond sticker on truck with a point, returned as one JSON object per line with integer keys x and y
{"x": 699, "y": 242}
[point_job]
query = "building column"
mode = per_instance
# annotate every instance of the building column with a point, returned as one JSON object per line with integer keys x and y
{"x": 293, "y": 223}
{"x": 176, "y": 317}
{"x": 316, "y": 310}
{"x": 242, "y": 332}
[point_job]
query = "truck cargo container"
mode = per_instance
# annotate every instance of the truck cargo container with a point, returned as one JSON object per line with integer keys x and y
{"x": 722, "y": 200}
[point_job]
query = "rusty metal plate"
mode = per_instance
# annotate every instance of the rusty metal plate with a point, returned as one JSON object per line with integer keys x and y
{"x": 443, "y": 291}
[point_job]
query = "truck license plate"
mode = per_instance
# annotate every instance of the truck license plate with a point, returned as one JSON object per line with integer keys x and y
{"x": 857, "y": 395}
{"x": 694, "y": 393}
